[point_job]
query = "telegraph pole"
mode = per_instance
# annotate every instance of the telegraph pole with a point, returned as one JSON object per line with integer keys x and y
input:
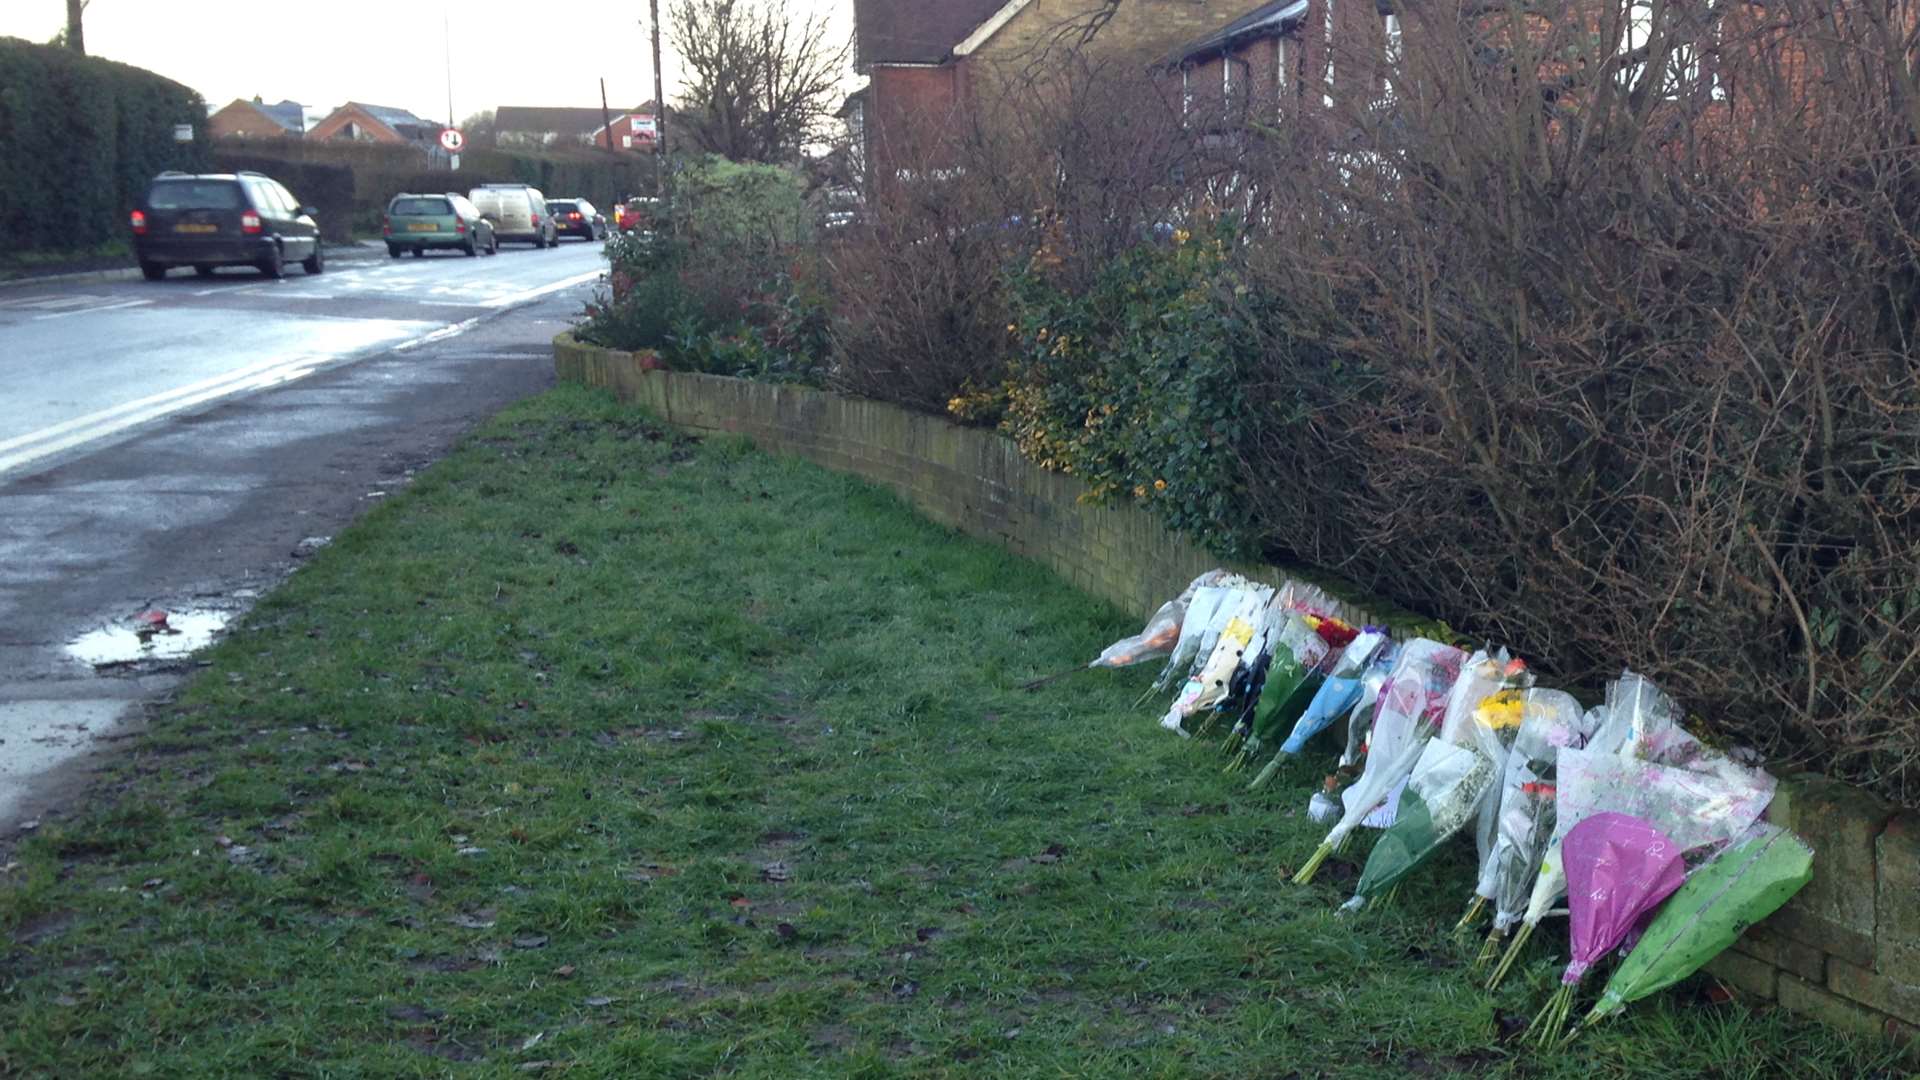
{"x": 659, "y": 91}
{"x": 77, "y": 34}
{"x": 606, "y": 125}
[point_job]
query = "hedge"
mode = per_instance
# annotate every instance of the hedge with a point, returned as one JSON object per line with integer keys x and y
{"x": 375, "y": 172}
{"x": 79, "y": 140}
{"x": 1627, "y": 380}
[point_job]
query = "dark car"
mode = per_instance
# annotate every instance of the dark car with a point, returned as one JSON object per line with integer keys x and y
{"x": 577, "y": 217}
{"x": 209, "y": 221}
{"x": 418, "y": 222}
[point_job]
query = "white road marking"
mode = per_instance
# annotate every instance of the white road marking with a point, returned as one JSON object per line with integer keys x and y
{"x": 78, "y": 431}
{"x": 81, "y": 430}
{"x": 93, "y": 310}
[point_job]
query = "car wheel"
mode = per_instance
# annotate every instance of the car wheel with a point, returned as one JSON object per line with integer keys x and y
{"x": 419, "y": 252}
{"x": 203, "y": 269}
{"x": 393, "y": 251}
{"x": 493, "y": 244}
{"x": 152, "y": 271}
{"x": 315, "y": 262}
{"x": 274, "y": 265}
{"x": 471, "y": 248}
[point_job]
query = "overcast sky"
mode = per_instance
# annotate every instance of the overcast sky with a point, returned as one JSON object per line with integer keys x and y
{"x": 384, "y": 52}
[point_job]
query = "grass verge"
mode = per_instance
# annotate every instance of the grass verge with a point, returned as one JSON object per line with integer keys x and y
{"x": 603, "y": 752}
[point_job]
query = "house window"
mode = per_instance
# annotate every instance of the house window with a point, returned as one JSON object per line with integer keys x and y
{"x": 1186, "y": 90}
{"x": 626, "y": 142}
{"x": 1326, "y": 96}
{"x": 1280, "y": 70}
{"x": 1391, "y": 24}
{"x": 1689, "y": 38}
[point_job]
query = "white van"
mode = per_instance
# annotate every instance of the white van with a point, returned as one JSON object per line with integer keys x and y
{"x": 518, "y": 212}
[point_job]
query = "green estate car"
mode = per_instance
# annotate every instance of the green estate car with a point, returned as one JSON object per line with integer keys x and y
{"x": 418, "y": 222}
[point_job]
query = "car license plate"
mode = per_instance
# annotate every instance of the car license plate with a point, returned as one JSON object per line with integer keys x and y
{"x": 196, "y": 228}
{"x": 423, "y": 226}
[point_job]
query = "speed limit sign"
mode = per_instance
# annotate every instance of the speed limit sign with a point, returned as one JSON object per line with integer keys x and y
{"x": 451, "y": 140}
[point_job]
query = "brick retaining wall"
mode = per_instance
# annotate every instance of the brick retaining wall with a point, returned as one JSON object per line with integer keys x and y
{"x": 1846, "y": 950}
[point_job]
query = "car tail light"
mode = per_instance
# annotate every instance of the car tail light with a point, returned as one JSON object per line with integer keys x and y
{"x": 575, "y": 215}
{"x": 139, "y": 223}
{"x": 459, "y": 226}
{"x": 536, "y": 220}
{"x": 249, "y": 222}
{"x": 386, "y": 225}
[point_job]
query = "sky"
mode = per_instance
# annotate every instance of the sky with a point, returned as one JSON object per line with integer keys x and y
{"x": 386, "y": 52}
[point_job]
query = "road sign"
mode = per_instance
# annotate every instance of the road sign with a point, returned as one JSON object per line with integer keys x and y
{"x": 451, "y": 140}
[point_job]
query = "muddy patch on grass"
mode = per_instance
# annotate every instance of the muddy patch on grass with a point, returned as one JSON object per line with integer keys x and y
{"x": 833, "y": 1039}
{"x": 43, "y": 928}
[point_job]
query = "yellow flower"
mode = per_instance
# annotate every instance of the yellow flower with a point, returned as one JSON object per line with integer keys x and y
{"x": 1013, "y": 328}
{"x": 1159, "y": 485}
{"x": 1140, "y": 491}
{"x": 1501, "y": 710}
{"x": 1181, "y": 236}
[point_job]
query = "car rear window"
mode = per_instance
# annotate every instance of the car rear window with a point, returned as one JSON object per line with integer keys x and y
{"x": 560, "y": 208}
{"x": 421, "y": 206}
{"x": 194, "y": 195}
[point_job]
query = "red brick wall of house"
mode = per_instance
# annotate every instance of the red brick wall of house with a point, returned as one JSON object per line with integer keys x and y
{"x": 332, "y": 126}
{"x": 240, "y": 119}
{"x": 916, "y": 118}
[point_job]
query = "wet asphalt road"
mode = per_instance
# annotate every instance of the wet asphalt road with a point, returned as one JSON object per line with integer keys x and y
{"x": 171, "y": 445}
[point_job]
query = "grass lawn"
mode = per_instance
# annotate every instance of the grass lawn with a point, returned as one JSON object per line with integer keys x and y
{"x": 602, "y": 752}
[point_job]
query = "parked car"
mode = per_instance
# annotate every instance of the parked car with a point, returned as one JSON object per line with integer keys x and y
{"x": 577, "y": 217}
{"x": 418, "y": 222}
{"x": 635, "y": 214}
{"x": 223, "y": 219}
{"x": 518, "y": 213}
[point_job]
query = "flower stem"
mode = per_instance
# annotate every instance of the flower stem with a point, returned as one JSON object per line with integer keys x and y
{"x": 1473, "y": 914}
{"x": 1488, "y": 950}
{"x": 1312, "y": 866}
{"x": 1513, "y": 953}
{"x": 1266, "y": 774}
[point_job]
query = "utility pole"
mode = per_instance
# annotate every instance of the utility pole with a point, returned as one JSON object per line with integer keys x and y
{"x": 77, "y": 38}
{"x": 606, "y": 125}
{"x": 446, "y": 39}
{"x": 659, "y": 92}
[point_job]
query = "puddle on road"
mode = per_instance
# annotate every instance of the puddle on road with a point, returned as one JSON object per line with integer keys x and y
{"x": 183, "y": 633}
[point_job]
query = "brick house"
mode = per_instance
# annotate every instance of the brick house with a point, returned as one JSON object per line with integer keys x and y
{"x": 243, "y": 119}
{"x": 636, "y": 130}
{"x": 377, "y": 123}
{"x": 934, "y": 67}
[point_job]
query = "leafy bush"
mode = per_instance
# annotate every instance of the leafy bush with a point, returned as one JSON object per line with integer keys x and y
{"x": 1137, "y": 384}
{"x": 722, "y": 283}
{"x": 80, "y": 138}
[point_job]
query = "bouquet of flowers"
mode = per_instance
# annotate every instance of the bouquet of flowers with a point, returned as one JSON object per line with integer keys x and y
{"x": 1212, "y": 607}
{"x": 1524, "y": 811}
{"x": 1741, "y": 885}
{"x": 1360, "y": 722}
{"x": 1309, "y": 646}
{"x": 1455, "y": 772}
{"x": 1704, "y": 799}
{"x": 1240, "y": 615}
{"x": 1412, "y": 702}
{"x": 1162, "y": 632}
{"x": 1335, "y": 698}
{"x": 1619, "y": 868}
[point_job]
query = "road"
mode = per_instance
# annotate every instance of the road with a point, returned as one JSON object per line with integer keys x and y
{"x": 180, "y": 445}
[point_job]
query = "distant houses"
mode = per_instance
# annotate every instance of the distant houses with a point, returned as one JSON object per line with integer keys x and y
{"x": 255, "y": 119}
{"x": 514, "y": 126}
{"x": 534, "y": 127}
